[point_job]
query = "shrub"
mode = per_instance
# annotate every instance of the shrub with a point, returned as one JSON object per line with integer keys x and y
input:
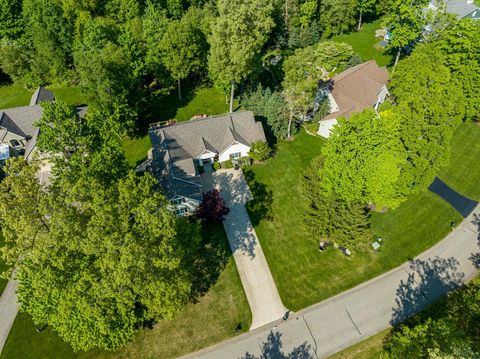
{"x": 311, "y": 127}
{"x": 216, "y": 166}
{"x": 227, "y": 164}
{"x": 259, "y": 151}
{"x": 213, "y": 207}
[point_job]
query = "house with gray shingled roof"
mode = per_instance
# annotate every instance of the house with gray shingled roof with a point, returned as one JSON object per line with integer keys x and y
{"x": 180, "y": 148}
{"x": 462, "y": 9}
{"x": 17, "y": 128}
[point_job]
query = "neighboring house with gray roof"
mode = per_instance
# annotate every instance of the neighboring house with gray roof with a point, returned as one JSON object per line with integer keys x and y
{"x": 17, "y": 128}
{"x": 180, "y": 148}
{"x": 462, "y": 9}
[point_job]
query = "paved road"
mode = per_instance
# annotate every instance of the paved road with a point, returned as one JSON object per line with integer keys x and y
{"x": 363, "y": 311}
{"x": 260, "y": 289}
{"x": 8, "y": 311}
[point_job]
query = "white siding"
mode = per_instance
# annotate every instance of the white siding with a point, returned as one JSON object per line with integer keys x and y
{"x": 326, "y": 127}
{"x": 381, "y": 96}
{"x": 206, "y": 155}
{"x": 234, "y": 148}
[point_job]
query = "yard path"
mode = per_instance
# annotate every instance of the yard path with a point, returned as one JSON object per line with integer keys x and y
{"x": 8, "y": 311}
{"x": 352, "y": 316}
{"x": 260, "y": 289}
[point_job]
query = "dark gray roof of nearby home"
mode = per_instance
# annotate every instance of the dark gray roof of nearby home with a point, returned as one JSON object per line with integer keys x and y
{"x": 41, "y": 95}
{"x": 176, "y": 146}
{"x": 24, "y": 118}
{"x": 460, "y": 8}
{"x": 175, "y": 177}
{"x": 215, "y": 134}
{"x": 7, "y": 123}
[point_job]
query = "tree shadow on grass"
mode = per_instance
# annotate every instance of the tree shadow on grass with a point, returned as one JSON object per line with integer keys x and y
{"x": 260, "y": 207}
{"x": 272, "y": 349}
{"x": 209, "y": 258}
{"x": 427, "y": 281}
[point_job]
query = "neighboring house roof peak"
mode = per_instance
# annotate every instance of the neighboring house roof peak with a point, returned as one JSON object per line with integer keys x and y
{"x": 41, "y": 95}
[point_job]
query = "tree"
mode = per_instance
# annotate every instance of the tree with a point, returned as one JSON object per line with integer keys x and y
{"x": 328, "y": 216}
{"x": 238, "y": 35}
{"x": 305, "y": 68}
{"x": 337, "y": 16}
{"x": 364, "y": 160}
{"x": 364, "y": 7}
{"x": 213, "y": 207}
{"x": 405, "y": 22}
{"x": 11, "y": 18}
{"x": 259, "y": 151}
{"x": 183, "y": 48}
{"x": 272, "y": 107}
{"x": 430, "y": 109}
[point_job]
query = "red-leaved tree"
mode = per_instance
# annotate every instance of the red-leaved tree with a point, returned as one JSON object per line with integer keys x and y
{"x": 213, "y": 207}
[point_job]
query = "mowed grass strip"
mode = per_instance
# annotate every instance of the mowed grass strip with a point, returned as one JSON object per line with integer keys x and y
{"x": 365, "y": 43}
{"x": 221, "y": 313}
{"x": 304, "y": 275}
{"x": 14, "y": 96}
{"x": 463, "y": 173}
{"x": 370, "y": 348}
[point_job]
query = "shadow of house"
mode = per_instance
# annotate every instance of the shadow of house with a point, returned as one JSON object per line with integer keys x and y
{"x": 427, "y": 281}
{"x": 272, "y": 349}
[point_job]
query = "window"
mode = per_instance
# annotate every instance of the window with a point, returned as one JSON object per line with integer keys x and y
{"x": 14, "y": 143}
{"x": 181, "y": 211}
{"x": 235, "y": 155}
{"x": 179, "y": 200}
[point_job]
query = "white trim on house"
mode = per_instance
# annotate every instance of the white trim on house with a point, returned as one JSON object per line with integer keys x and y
{"x": 183, "y": 206}
{"x": 381, "y": 97}
{"x": 234, "y": 148}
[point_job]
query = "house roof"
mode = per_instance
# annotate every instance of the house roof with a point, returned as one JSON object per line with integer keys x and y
{"x": 176, "y": 146}
{"x": 357, "y": 88}
{"x": 22, "y": 119}
{"x": 41, "y": 95}
{"x": 461, "y": 8}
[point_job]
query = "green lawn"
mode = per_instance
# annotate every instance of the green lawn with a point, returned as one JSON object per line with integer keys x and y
{"x": 305, "y": 276}
{"x": 200, "y": 101}
{"x": 213, "y": 318}
{"x": 370, "y": 348}
{"x": 463, "y": 173}
{"x": 364, "y": 43}
{"x": 16, "y": 96}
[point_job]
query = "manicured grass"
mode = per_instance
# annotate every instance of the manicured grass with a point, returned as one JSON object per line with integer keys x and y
{"x": 136, "y": 149}
{"x": 370, "y": 348}
{"x": 463, "y": 173}
{"x": 305, "y": 276}
{"x": 14, "y": 96}
{"x": 364, "y": 43}
{"x": 204, "y": 100}
{"x": 69, "y": 94}
{"x": 215, "y": 317}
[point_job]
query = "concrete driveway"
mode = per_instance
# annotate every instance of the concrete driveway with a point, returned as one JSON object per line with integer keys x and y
{"x": 260, "y": 289}
{"x": 352, "y": 316}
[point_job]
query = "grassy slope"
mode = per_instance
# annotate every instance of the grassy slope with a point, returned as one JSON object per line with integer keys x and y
{"x": 214, "y": 318}
{"x": 14, "y": 96}
{"x": 463, "y": 173}
{"x": 305, "y": 276}
{"x": 364, "y": 41}
{"x": 200, "y": 101}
